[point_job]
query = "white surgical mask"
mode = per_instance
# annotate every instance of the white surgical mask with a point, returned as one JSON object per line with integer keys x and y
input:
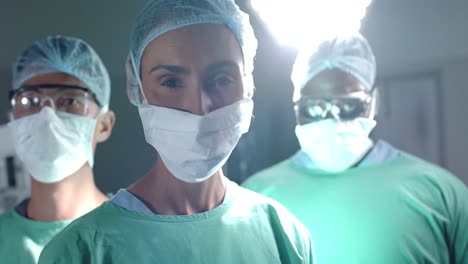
{"x": 53, "y": 144}
{"x": 333, "y": 145}
{"x": 194, "y": 147}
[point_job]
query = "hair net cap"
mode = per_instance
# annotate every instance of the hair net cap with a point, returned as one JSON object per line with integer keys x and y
{"x": 350, "y": 53}
{"x": 60, "y": 54}
{"x": 161, "y": 16}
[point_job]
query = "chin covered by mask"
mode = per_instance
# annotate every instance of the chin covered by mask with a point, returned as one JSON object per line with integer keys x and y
{"x": 194, "y": 147}
{"x": 52, "y": 144}
{"x": 334, "y": 145}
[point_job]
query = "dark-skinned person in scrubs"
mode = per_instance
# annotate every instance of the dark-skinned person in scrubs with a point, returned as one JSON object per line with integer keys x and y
{"x": 362, "y": 201}
{"x": 60, "y": 97}
{"x": 190, "y": 75}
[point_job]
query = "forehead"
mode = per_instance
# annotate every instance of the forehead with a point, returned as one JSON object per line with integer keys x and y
{"x": 332, "y": 82}
{"x": 194, "y": 45}
{"x": 54, "y": 78}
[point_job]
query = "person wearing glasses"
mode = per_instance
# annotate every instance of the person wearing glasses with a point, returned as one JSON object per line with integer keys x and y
{"x": 362, "y": 201}
{"x": 59, "y": 98}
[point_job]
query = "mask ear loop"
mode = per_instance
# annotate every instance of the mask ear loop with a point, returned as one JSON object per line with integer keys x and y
{"x": 102, "y": 111}
{"x": 137, "y": 77}
{"x": 10, "y": 116}
{"x": 373, "y": 103}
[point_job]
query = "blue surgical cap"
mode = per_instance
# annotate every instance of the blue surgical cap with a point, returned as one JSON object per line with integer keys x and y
{"x": 60, "y": 54}
{"x": 161, "y": 16}
{"x": 350, "y": 53}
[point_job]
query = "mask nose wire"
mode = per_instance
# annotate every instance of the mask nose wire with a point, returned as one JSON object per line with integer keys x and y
{"x": 49, "y": 99}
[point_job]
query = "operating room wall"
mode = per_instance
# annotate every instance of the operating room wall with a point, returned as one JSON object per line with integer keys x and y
{"x": 455, "y": 116}
{"x": 420, "y": 37}
{"x": 4, "y": 104}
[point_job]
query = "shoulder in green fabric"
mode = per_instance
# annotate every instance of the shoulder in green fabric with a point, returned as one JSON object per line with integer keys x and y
{"x": 264, "y": 180}
{"x": 415, "y": 210}
{"x": 23, "y": 239}
{"x": 251, "y": 229}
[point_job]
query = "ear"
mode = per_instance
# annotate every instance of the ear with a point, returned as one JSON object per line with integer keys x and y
{"x": 104, "y": 125}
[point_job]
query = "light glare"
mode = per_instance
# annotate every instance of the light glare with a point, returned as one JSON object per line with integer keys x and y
{"x": 300, "y": 23}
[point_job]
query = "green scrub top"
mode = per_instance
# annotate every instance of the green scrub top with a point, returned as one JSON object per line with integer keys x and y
{"x": 22, "y": 239}
{"x": 245, "y": 228}
{"x": 401, "y": 211}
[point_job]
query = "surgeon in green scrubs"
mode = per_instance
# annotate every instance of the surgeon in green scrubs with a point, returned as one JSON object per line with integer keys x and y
{"x": 60, "y": 97}
{"x": 362, "y": 201}
{"x": 190, "y": 74}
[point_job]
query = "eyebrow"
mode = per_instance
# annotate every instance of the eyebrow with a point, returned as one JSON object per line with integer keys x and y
{"x": 222, "y": 64}
{"x": 211, "y": 68}
{"x": 171, "y": 68}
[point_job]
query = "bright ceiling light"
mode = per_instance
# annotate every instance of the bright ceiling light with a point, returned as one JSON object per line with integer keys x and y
{"x": 300, "y": 23}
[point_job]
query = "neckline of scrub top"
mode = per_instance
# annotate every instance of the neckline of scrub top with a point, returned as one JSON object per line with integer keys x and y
{"x": 355, "y": 170}
{"x": 22, "y": 207}
{"x": 127, "y": 209}
{"x": 38, "y": 224}
{"x": 127, "y": 200}
{"x": 380, "y": 153}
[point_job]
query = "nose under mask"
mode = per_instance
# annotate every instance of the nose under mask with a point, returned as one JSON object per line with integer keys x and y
{"x": 335, "y": 146}
{"x": 194, "y": 147}
{"x": 52, "y": 144}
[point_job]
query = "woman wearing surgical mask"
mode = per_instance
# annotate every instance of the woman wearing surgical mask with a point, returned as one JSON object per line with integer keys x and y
{"x": 189, "y": 73}
{"x": 60, "y": 97}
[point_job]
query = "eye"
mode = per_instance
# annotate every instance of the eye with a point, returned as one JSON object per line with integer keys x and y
{"x": 316, "y": 111}
{"x": 171, "y": 82}
{"x": 221, "y": 81}
{"x": 68, "y": 101}
{"x": 348, "y": 107}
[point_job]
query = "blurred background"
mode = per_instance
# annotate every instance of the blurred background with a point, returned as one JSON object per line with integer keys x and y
{"x": 421, "y": 49}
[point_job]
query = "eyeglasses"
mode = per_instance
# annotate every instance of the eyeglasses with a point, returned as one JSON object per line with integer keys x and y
{"x": 66, "y": 98}
{"x": 344, "y": 108}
